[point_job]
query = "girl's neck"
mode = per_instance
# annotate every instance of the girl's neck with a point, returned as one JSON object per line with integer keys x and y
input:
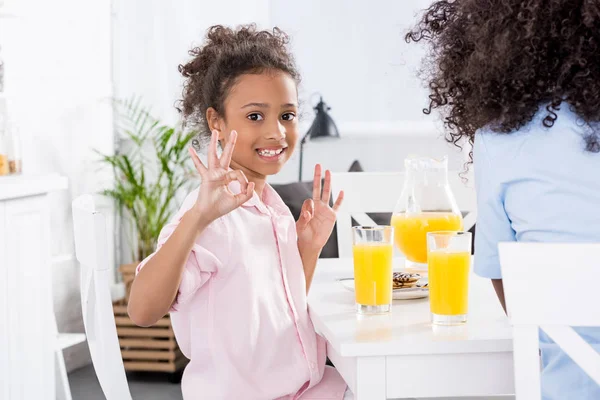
{"x": 258, "y": 179}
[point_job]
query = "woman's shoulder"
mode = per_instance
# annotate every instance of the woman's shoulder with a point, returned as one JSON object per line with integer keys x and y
{"x": 490, "y": 146}
{"x": 567, "y": 128}
{"x": 490, "y": 139}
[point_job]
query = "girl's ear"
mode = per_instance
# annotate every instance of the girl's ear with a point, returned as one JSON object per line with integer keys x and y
{"x": 214, "y": 121}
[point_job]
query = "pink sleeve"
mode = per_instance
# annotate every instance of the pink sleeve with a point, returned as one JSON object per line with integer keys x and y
{"x": 202, "y": 261}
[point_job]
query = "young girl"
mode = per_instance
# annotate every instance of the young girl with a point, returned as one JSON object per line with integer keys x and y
{"x": 521, "y": 79}
{"x": 233, "y": 267}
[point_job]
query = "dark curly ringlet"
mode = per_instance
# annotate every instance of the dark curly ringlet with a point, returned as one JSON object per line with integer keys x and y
{"x": 225, "y": 55}
{"x": 494, "y": 63}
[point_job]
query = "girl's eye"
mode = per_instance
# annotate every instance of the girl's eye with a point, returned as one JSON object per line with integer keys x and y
{"x": 288, "y": 116}
{"x": 255, "y": 117}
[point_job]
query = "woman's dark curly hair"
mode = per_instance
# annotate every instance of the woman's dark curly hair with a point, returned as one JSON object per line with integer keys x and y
{"x": 494, "y": 63}
{"x": 225, "y": 55}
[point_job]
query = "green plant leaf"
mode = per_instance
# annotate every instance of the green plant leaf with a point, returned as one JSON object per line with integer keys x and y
{"x": 151, "y": 168}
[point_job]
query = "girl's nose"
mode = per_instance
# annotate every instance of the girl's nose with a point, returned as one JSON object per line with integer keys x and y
{"x": 276, "y": 132}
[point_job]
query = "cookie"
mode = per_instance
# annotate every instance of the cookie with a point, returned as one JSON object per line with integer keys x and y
{"x": 405, "y": 277}
{"x": 405, "y": 285}
{"x": 404, "y": 280}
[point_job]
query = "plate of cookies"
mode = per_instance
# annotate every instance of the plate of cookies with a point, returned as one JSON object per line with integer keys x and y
{"x": 406, "y": 285}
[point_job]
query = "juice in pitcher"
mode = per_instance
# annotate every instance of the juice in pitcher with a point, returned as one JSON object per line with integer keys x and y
{"x": 411, "y": 231}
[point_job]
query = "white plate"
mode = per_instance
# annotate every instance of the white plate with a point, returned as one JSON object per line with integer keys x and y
{"x": 397, "y": 294}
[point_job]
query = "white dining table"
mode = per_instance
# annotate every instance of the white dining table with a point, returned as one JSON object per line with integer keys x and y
{"x": 401, "y": 354}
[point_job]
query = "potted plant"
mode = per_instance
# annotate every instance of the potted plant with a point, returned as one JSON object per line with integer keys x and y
{"x": 151, "y": 168}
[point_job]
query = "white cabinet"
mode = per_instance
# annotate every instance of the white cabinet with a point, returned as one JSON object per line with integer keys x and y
{"x": 27, "y": 327}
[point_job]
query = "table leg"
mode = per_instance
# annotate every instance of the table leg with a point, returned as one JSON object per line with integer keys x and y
{"x": 370, "y": 378}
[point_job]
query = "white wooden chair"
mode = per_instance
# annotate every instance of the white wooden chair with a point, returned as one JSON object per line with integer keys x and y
{"x": 91, "y": 249}
{"x": 539, "y": 296}
{"x": 378, "y": 192}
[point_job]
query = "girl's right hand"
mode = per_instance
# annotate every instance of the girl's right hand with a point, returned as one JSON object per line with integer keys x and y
{"x": 214, "y": 198}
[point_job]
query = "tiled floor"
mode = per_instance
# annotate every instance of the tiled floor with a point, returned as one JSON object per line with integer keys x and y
{"x": 146, "y": 386}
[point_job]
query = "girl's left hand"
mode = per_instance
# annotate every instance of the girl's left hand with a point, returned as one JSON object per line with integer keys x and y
{"x": 317, "y": 218}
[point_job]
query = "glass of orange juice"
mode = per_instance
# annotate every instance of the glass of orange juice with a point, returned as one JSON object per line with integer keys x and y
{"x": 372, "y": 250}
{"x": 449, "y": 264}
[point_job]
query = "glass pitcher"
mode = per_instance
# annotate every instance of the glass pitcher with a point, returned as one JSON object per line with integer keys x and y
{"x": 425, "y": 205}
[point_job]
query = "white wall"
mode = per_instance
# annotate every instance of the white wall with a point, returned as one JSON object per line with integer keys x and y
{"x": 58, "y": 73}
{"x": 353, "y": 52}
{"x": 152, "y": 37}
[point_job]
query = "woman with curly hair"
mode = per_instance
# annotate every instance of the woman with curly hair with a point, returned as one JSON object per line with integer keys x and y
{"x": 520, "y": 80}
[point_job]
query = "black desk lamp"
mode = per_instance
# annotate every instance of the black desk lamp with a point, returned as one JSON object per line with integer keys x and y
{"x": 322, "y": 127}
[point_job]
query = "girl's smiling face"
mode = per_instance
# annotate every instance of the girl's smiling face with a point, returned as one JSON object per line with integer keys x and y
{"x": 263, "y": 109}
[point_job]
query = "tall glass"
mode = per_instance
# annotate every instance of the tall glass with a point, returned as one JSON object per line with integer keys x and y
{"x": 449, "y": 262}
{"x": 372, "y": 250}
{"x": 426, "y": 204}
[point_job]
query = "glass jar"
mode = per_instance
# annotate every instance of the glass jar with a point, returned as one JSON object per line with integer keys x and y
{"x": 3, "y": 147}
{"x": 15, "y": 163}
{"x": 425, "y": 205}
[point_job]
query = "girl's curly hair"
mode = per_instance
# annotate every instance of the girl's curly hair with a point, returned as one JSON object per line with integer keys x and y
{"x": 225, "y": 55}
{"x": 494, "y": 63}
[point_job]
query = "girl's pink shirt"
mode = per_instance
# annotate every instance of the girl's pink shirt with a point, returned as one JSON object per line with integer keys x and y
{"x": 241, "y": 315}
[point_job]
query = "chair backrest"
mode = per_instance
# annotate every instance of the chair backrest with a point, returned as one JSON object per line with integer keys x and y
{"x": 378, "y": 192}
{"x": 91, "y": 250}
{"x": 553, "y": 287}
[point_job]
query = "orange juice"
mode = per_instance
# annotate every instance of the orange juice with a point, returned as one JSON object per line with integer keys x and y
{"x": 373, "y": 274}
{"x": 449, "y": 282}
{"x": 410, "y": 231}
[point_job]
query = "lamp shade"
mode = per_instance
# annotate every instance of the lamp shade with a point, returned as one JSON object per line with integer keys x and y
{"x": 323, "y": 125}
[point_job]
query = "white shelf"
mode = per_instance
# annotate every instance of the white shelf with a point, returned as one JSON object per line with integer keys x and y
{"x": 13, "y": 186}
{"x": 66, "y": 340}
{"x": 368, "y": 129}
